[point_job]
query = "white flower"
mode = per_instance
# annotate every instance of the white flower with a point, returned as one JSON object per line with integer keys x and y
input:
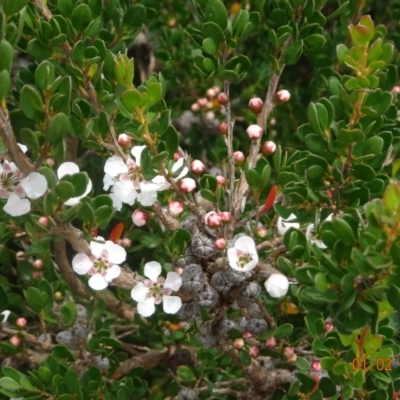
{"x": 14, "y": 187}
{"x": 277, "y": 285}
{"x": 284, "y": 225}
{"x": 102, "y": 264}
{"x": 127, "y": 181}
{"x": 70, "y": 168}
{"x": 156, "y": 290}
{"x": 310, "y": 237}
{"x": 243, "y": 257}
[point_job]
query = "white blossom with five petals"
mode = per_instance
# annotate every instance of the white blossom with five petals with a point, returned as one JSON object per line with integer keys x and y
{"x": 156, "y": 290}
{"x": 102, "y": 265}
{"x": 14, "y": 187}
{"x": 243, "y": 256}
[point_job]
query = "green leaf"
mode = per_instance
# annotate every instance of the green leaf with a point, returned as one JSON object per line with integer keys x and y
{"x": 343, "y": 230}
{"x": 69, "y": 312}
{"x": 135, "y": 17}
{"x": 209, "y": 46}
{"x": 72, "y": 381}
{"x": 252, "y": 178}
{"x": 132, "y": 98}
{"x": 7, "y": 55}
{"x": 244, "y": 357}
{"x": 360, "y": 35}
{"x": 38, "y": 51}
{"x": 12, "y": 7}
{"x": 213, "y": 31}
{"x": 327, "y": 387}
{"x": 9, "y": 383}
{"x": 70, "y": 213}
{"x": 58, "y": 127}
{"x": 314, "y": 118}
{"x": 29, "y": 138}
{"x": 315, "y": 42}
{"x": 81, "y": 17}
{"x": 341, "y": 52}
{"x": 36, "y": 299}
{"x": 208, "y": 195}
{"x": 65, "y": 190}
{"x": 338, "y": 11}
{"x": 44, "y": 75}
{"x": 31, "y": 102}
{"x": 391, "y": 198}
{"x": 185, "y": 374}
{"x": 5, "y": 83}
{"x": 373, "y": 145}
{"x": 154, "y": 93}
{"x": 215, "y": 11}
{"x": 171, "y": 139}
{"x": 239, "y": 22}
{"x": 350, "y": 135}
{"x": 283, "y": 331}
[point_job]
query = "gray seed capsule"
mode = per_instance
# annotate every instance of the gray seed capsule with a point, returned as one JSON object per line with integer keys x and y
{"x": 207, "y": 297}
{"x": 193, "y": 278}
{"x": 248, "y": 294}
{"x": 190, "y": 223}
{"x": 187, "y": 394}
{"x": 189, "y": 258}
{"x": 257, "y": 326}
{"x": 220, "y": 282}
{"x": 236, "y": 277}
{"x": 203, "y": 245}
{"x": 225, "y": 326}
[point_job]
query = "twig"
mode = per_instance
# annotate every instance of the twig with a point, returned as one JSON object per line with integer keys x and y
{"x": 271, "y": 322}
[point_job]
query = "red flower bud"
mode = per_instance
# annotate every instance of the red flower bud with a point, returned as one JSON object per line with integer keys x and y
{"x": 268, "y": 148}
{"x": 256, "y": 105}
{"x": 223, "y": 98}
{"x": 223, "y": 128}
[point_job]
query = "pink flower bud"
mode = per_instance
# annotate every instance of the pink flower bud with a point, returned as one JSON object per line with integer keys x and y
{"x": 126, "y": 242}
{"x": 316, "y": 365}
{"x": 254, "y": 131}
{"x": 226, "y": 216}
{"x": 396, "y": 90}
{"x": 283, "y": 96}
{"x": 247, "y": 335}
{"x": 20, "y": 255}
{"x": 188, "y": 185}
{"x": 223, "y": 128}
{"x": 179, "y": 270}
{"x": 272, "y": 121}
{"x": 202, "y": 102}
{"x": 220, "y": 179}
{"x": 43, "y": 221}
{"x": 329, "y": 193}
{"x": 328, "y": 326}
{"x": 36, "y": 275}
{"x": 220, "y": 243}
{"x": 256, "y": 105}
{"x": 177, "y": 156}
{"x": 223, "y": 98}
{"x": 270, "y": 342}
{"x": 140, "y": 217}
{"x": 254, "y": 351}
{"x": 195, "y": 107}
{"x": 211, "y": 93}
{"x": 15, "y": 341}
{"x": 175, "y": 208}
{"x": 239, "y": 158}
{"x": 212, "y": 219}
{"x": 262, "y": 231}
{"x": 124, "y": 141}
{"x": 292, "y": 358}
{"x": 21, "y": 322}
{"x": 268, "y": 148}
{"x": 238, "y": 343}
{"x": 38, "y": 264}
{"x": 171, "y": 22}
{"x": 216, "y": 89}
{"x": 288, "y": 351}
{"x": 197, "y": 167}
{"x": 50, "y": 161}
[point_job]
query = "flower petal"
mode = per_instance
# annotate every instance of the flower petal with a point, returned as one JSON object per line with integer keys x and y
{"x": 245, "y": 244}
{"x": 173, "y": 281}
{"x": 285, "y": 225}
{"x": 97, "y": 248}
{"x": 172, "y": 304}
{"x": 136, "y": 151}
{"x": 114, "y": 166}
{"x": 146, "y": 308}
{"x": 277, "y": 285}
{"x": 116, "y": 253}
{"x": 35, "y": 185}
{"x": 139, "y": 292}
{"x": 16, "y": 206}
{"x": 147, "y": 199}
{"x": 113, "y": 272}
{"x": 6, "y": 314}
{"x": 125, "y": 192}
{"x": 232, "y": 257}
{"x": 67, "y": 168}
{"x": 81, "y": 263}
{"x": 98, "y": 282}
{"x": 179, "y": 165}
{"x": 152, "y": 270}
{"x": 117, "y": 203}
{"x": 23, "y": 148}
